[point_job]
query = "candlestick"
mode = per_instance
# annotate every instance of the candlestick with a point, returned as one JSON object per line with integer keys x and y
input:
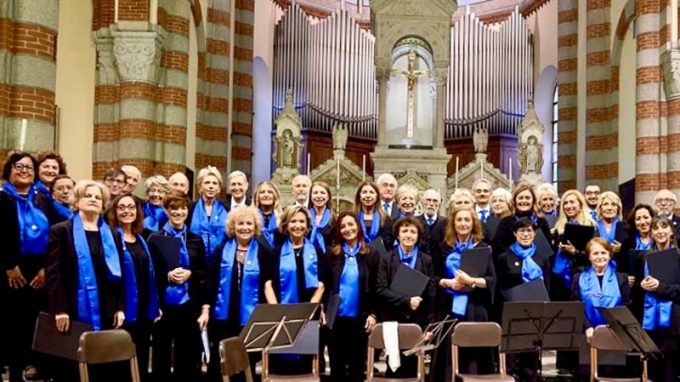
{"x": 309, "y": 163}
{"x": 22, "y": 134}
{"x": 363, "y": 168}
{"x": 457, "y": 162}
{"x": 115, "y": 11}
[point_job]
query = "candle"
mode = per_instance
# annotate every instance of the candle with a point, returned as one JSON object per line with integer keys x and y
{"x": 510, "y": 170}
{"x": 115, "y": 11}
{"x": 337, "y": 180}
{"x": 309, "y": 163}
{"x": 482, "y": 167}
{"x": 363, "y": 168}
{"x": 22, "y": 135}
{"x": 457, "y": 162}
{"x": 153, "y": 12}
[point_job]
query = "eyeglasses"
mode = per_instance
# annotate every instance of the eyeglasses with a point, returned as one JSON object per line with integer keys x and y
{"x": 665, "y": 200}
{"x": 122, "y": 207}
{"x": 23, "y": 167}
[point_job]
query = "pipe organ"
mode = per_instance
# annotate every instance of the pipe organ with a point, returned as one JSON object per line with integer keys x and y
{"x": 329, "y": 64}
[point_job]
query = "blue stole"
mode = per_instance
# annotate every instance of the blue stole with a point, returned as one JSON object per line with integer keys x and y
{"x": 530, "y": 270}
{"x": 315, "y": 236}
{"x": 288, "y": 271}
{"x": 178, "y": 294}
{"x": 34, "y": 228}
{"x": 369, "y": 236}
{"x": 460, "y": 299}
{"x": 270, "y": 229}
{"x": 43, "y": 189}
{"x": 562, "y": 265}
{"x": 657, "y": 312}
{"x": 211, "y": 229}
{"x": 609, "y": 236}
{"x": 63, "y": 210}
{"x": 250, "y": 283}
{"x": 409, "y": 259}
{"x": 130, "y": 279}
{"x": 154, "y": 217}
{"x": 640, "y": 246}
{"x": 88, "y": 293}
{"x": 349, "y": 283}
{"x": 594, "y": 296}
{"x": 593, "y": 214}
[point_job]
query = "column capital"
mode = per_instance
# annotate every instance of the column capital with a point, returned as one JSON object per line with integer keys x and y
{"x": 440, "y": 76}
{"x": 138, "y": 54}
{"x": 383, "y": 74}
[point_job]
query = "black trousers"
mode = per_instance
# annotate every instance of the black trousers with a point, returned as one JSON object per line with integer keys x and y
{"x": 347, "y": 348}
{"x": 23, "y": 306}
{"x": 178, "y": 326}
{"x": 140, "y": 331}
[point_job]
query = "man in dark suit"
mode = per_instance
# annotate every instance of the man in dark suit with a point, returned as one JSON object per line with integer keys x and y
{"x": 592, "y": 194}
{"x": 433, "y": 223}
{"x": 481, "y": 190}
{"x": 237, "y": 185}
{"x": 664, "y": 201}
{"x": 387, "y": 186}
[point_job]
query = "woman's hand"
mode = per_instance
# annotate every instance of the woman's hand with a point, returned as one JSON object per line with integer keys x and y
{"x": 631, "y": 281}
{"x": 204, "y": 317}
{"x": 39, "y": 280}
{"x": 179, "y": 276}
{"x": 370, "y": 323}
{"x": 463, "y": 277}
{"x": 322, "y": 318}
{"x": 650, "y": 284}
{"x": 63, "y": 322}
{"x": 414, "y": 303}
{"x": 118, "y": 319}
{"x": 616, "y": 247}
{"x": 15, "y": 279}
{"x": 568, "y": 248}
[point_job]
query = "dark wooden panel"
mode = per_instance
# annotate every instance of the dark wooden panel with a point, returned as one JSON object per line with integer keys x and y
{"x": 320, "y": 145}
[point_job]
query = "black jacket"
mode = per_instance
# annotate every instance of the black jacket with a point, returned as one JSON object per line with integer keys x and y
{"x": 227, "y": 202}
{"x": 368, "y": 271}
{"x": 432, "y": 235}
{"x": 274, "y": 269}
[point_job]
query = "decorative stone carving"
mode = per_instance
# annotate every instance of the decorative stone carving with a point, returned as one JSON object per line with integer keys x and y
{"x": 480, "y": 139}
{"x": 138, "y": 54}
{"x": 478, "y": 168}
{"x": 340, "y": 135}
{"x": 288, "y": 140}
{"x": 670, "y": 60}
{"x": 106, "y": 71}
{"x": 531, "y": 146}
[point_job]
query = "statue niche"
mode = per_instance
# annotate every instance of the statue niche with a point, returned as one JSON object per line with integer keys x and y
{"x": 531, "y": 146}
{"x": 288, "y": 138}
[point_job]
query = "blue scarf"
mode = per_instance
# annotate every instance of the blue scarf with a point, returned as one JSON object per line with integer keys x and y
{"x": 369, "y": 236}
{"x": 288, "y": 271}
{"x": 178, "y": 294}
{"x": 154, "y": 217}
{"x": 315, "y": 236}
{"x": 43, "y": 189}
{"x": 34, "y": 228}
{"x": 593, "y": 214}
{"x": 270, "y": 229}
{"x": 211, "y": 229}
{"x": 530, "y": 270}
{"x": 408, "y": 258}
{"x": 349, "y": 283}
{"x": 88, "y": 293}
{"x": 594, "y": 296}
{"x": 130, "y": 279}
{"x": 640, "y": 246}
{"x": 657, "y": 312}
{"x": 602, "y": 230}
{"x": 61, "y": 209}
{"x": 250, "y": 283}
{"x": 562, "y": 265}
{"x": 460, "y": 299}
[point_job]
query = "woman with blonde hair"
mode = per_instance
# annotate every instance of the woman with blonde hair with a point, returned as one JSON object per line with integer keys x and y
{"x": 208, "y": 215}
{"x": 267, "y": 199}
{"x": 610, "y": 224}
{"x": 154, "y": 214}
{"x": 323, "y": 218}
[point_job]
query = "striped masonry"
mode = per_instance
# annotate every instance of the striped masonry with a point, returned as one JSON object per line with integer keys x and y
{"x": 567, "y": 45}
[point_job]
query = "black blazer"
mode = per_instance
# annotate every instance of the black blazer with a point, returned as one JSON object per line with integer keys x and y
{"x": 432, "y": 235}
{"x": 624, "y": 289}
{"x": 509, "y": 270}
{"x": 263, "y": 258}
{"x": 227, "y": 203}
{"x": 505, "y": 236}
{"x": 61, "y": 281}
{"x": 368, "y": 271}
{"x": 393, "y": 306}
{"x": 305, "y": 295}
{"x": 198, "y": 282}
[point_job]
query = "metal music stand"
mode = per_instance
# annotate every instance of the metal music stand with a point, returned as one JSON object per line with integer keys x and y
{"x": 440, "y": 331}
{"x": 276, "y": 326}
{"x": 628, "y": 330}
{"x": 535, "y": 326}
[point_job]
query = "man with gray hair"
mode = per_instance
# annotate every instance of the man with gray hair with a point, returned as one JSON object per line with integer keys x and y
{"x": 481, "y": 190}
{"x": 664, "y": 201}
{"x": 433, "y": 223}
{"x": 302, "y": 185}
{"x": 179, "y": 182}
{"x": 237, "y": 187}
{"x": 133, "y": 176}
{"x": 387, "y": 186}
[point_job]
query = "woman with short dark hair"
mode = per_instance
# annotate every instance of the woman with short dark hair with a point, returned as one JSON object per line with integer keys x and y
{"x": 50, "y": 165}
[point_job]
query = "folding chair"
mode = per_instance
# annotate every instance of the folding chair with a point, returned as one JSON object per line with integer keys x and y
{"x": 106, "y": 346}
{"x": 307, "y": 344}
{"x": 472, "y": 335}
{"x": 604, "y": 339}
{"x": 409, "y": 335}
{"x": 234, "y": 359}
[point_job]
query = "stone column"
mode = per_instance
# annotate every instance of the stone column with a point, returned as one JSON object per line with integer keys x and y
{"x": 382, "y": 74}
{"x": 440, "y": 76}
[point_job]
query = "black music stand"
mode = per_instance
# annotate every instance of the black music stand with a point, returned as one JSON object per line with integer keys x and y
{"x": 535, "y": 326}
{"x": 276, "y": 326}
{"x": 628, "y": 330}
{"x": 440, "y": 331}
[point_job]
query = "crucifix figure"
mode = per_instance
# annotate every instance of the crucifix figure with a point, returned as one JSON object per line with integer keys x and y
{"x": 412, "y": 75}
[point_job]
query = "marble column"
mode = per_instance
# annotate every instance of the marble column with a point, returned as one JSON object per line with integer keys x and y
{"x": 440, "y": 76}
{"x": 382, "y": 74}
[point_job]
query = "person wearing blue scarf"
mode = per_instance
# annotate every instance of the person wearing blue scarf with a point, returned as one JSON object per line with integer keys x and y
{"x": 406, "y": 200}
{"x": 154, "y": 213}
{"x": 297, "y": 273}
{"x": 266, "y": 199}
{"x": 638, "y": 242}
{"x": 50, "y": 166}
{"x": 609, "y": 225}
{"x": 237, "y": 280}
{"x": 141, "y": 294}
{"x": 84, "y": 276}
{"x": 398, "y": 307}
{"x": 660, "y": 315}
{"x": 322, "y": 216}
{"x": 465, "y": 297}
{"x": 371, "y": 216}
{"x": 24, "y": 214}
{"x": 62, "y": 199}
{"x": 181, "y": 275}
{"x": 354, "y": 266}
{"x": 208, "y": 216}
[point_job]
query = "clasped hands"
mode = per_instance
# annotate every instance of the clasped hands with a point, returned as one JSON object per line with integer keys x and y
{"x": 460, "y": 282}
{"x": 16, "y": 279}
{"x": 179, "y": 276}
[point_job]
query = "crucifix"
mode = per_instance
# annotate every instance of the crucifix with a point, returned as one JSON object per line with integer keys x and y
{"x": 412, "y": 75}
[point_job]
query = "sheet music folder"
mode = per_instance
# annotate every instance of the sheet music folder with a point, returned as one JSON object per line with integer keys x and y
{"x": 47, "y": 339}
{"x": 276, "y": 326}
{"x": 532, "y": 291}
{"x": 578, "y": 235}
{"x": 168, "y": 247}
{"x": 408, "y": 282}
{"x": 664, "y": 265}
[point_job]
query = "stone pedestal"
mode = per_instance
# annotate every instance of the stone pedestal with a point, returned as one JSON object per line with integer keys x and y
{"x": 428, "y": 165}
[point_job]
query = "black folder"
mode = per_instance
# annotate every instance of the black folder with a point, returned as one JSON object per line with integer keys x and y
{"x": 664, "y": 266}
{"x": 408, "y": 282}
{"x": 332, "y": 309}
{"x": 47, "y": 339}
{"x": 532, "y": 291}
{"x": 543, "y": 247}
{"x": 168, "y": 247}
{"x": 578, "y": 235}
{"x": 378, "y": 245}
{"x": 475, "y": 261}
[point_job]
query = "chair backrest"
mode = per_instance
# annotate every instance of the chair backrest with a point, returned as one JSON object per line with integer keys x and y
{"x": 106, "y": 346}
{"x": 476, "y": 334}
{"x": 307, "y": 342}
{"x": 604, "y": 339}
{"x": 233, "y": 357}
{"x": 409, "y": 335}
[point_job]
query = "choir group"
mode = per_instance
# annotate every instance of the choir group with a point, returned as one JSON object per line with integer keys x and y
{"x": 93, "y": 252}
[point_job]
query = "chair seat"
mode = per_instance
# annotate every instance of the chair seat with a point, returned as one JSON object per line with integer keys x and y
{"x": 606, "y": 379}
{"x": 383, "y": 379}
{"x": 485, "y": 378}
{"x": 293, "y": 378}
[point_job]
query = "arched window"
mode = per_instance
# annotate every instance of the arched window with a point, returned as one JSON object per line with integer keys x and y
{"x": 555, "y": 120}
